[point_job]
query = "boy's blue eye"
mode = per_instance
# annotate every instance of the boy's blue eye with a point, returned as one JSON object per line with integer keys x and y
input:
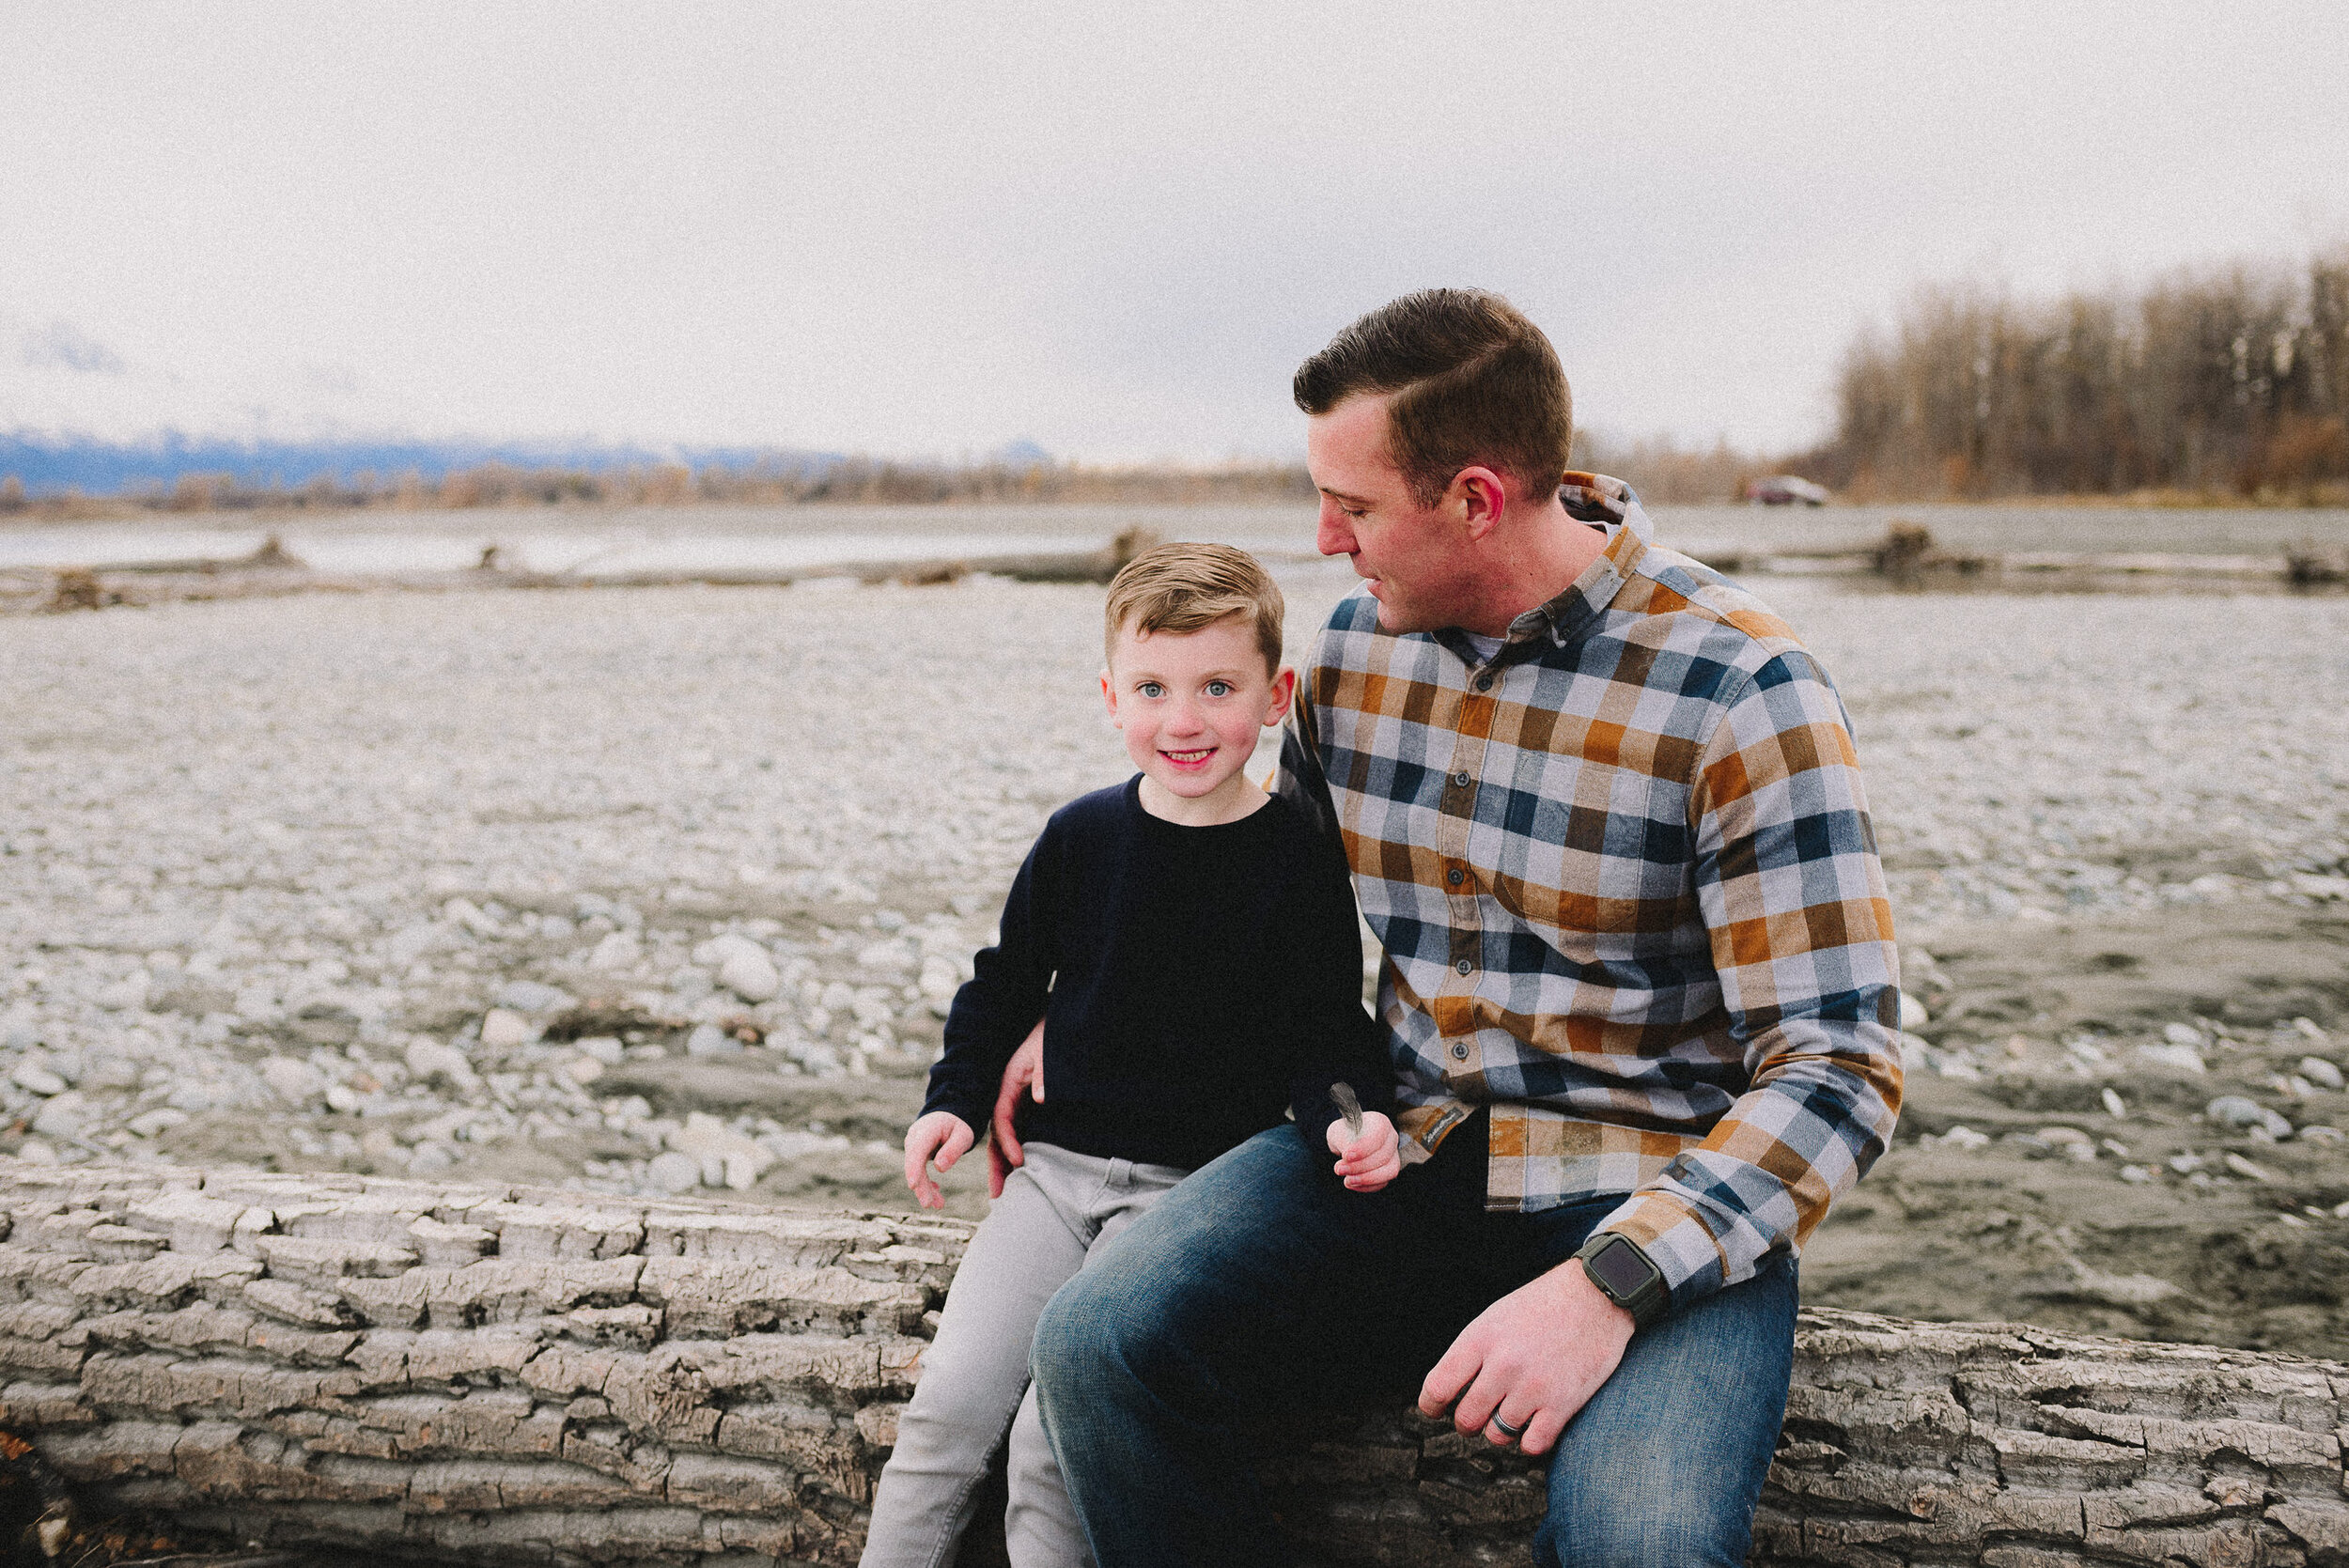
{"x": 1150, "y": 688}
{"x": 1218, "y": 689}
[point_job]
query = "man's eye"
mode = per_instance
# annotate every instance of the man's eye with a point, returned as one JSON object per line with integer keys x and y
{"x": 1218, "y": 689}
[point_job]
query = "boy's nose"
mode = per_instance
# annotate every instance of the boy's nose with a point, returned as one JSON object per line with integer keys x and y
{"x": 1184, "y": 720}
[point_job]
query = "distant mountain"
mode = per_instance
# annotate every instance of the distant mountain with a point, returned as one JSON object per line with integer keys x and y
{"x": 1023, "y": 452}
{"x": 51, "y": 464}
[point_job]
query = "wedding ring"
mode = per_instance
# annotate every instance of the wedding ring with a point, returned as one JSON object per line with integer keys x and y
{"x": 1513, "y": 1432}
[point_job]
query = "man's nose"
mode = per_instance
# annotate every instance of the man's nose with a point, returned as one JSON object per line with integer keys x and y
{"x": 1331, "y": 536}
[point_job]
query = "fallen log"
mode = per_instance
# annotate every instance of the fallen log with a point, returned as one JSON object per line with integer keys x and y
{"x": 1908, "y": 556}
{"x": 271, "y": 554}
{"x": 1079, "y": 565}
{"x": 270, "y": 571}
{"x": 493, "y": 1373}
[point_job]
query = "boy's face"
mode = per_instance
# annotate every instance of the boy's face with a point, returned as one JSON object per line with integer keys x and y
{"x": 1191, "y": 705}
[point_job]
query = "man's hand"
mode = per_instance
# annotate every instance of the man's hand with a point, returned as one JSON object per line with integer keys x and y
{"x": 942, "y": 1135}
{"x": 1025, "y": 1070}
{"x": 1374, "y": 1160}
{"x": 1534, "y": 1357}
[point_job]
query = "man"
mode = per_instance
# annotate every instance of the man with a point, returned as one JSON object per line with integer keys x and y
{"x": 1606, "y": 822}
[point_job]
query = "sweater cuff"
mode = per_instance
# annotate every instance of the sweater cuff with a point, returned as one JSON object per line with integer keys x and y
{"x": 977, "y": 1122}
{"x": 1315, "y": 1112}
{"x": 1675, "y": 1240}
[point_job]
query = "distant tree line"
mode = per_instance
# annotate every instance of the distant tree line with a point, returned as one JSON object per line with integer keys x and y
{"x": 2232, "y": 381}
{"x": 1664, "y": 472}
{"x": 849, "y": 481}
{"x": 860, "y": 480}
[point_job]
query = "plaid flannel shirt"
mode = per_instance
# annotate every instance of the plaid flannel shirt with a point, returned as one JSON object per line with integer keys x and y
{"x": 1629, "y": 896}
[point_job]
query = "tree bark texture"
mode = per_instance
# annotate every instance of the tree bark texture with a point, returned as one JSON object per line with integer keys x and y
{"x": 499, "y": 1375}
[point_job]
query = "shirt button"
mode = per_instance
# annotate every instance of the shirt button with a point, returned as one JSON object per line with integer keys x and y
{"x": 1456, "y": 876}
{"x": 1464, "y": 966}
{"x": 1483, "y": 683}
{"x": 1461, "y": 777}
{"x": 1459, "y": 1052}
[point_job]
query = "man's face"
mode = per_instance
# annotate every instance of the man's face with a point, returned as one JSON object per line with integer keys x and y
{"x": 1414, "y": 557}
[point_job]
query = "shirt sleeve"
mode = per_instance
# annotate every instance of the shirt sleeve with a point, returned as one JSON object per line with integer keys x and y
{"x": 1793, "y": 897}
{"x": 994, "y": 1010}
{"x": 1365, "y": 1061}
{"x": 1301, "y": 781}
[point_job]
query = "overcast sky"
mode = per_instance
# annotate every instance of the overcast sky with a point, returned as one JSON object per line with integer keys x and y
{"x": 1112, "y": 229}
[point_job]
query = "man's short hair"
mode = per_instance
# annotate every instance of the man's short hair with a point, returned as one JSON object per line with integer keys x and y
{"x": 1183, "y": 587}
{"x": 1474, "y": 381}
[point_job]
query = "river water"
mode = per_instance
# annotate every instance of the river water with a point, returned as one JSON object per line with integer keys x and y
{"x": 596, "y": 542}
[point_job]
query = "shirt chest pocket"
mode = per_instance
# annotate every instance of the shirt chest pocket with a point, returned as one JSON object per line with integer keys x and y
{"x": 1597, "y": 859}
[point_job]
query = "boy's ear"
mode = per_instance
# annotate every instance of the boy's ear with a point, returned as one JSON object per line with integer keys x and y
{"x": 1108, "y": 695}
{"x": 1283, "y": 693}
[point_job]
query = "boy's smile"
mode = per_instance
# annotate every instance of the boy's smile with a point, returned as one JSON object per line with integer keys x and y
{"x": 1190, "y": 705}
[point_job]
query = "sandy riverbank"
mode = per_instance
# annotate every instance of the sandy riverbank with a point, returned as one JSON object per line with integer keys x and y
{"x": 330, "y": 883}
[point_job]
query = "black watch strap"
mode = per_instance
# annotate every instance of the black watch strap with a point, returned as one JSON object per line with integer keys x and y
{"x": 1626, "y": 1276}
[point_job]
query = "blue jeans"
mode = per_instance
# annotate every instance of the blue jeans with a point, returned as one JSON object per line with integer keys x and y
{"x": 1261, "y": 1281}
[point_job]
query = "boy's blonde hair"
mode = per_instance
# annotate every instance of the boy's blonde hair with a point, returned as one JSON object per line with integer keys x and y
{"x": 1183, "y": 587}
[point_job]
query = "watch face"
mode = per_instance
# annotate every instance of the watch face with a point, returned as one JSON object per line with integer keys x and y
{"x": 1620, "y": 1268}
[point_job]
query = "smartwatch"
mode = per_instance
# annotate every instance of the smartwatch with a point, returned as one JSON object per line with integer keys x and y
{"x": 1626, "y": 1276}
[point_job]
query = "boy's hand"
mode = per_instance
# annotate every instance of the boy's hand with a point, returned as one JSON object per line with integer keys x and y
{"x": 940, "y": 1135}
{"x": 1372, "y": 1160}
{"x": 1025, "y": 1070}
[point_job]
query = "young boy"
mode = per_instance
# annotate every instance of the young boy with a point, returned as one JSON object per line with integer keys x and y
{"x": 1190, "y": 947}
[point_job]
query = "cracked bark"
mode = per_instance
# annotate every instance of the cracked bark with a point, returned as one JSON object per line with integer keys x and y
{"x": 493, "y": 1373}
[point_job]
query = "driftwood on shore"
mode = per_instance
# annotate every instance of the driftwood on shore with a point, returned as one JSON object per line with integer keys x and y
{"x": 272, "y": 571}
{"x": 488, "y": 1373}
{"x": 1908, "y": 556}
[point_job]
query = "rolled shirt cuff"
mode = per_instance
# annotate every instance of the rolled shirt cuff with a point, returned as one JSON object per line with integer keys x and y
{"x": 1675, "y": 1240}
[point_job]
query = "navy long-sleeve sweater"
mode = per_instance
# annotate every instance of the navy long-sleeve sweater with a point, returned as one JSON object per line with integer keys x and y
{"x": 1194, "y": 983}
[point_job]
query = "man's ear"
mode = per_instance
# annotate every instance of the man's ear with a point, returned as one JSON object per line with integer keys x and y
{"x": 1483, "y": 497}
{"x": 1283, "y": 693}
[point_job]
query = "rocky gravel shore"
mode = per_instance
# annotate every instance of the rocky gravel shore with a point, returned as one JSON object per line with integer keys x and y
{"x": 649, "y": 890}
{"x": 402, "y": 883}
{"x": 2034, "y": 757}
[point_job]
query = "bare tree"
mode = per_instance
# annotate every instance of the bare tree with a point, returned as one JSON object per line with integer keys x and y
{"x": 2233, "y": 381}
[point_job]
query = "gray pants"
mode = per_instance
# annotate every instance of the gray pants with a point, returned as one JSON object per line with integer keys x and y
{"x": 1056, "y": 1213}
